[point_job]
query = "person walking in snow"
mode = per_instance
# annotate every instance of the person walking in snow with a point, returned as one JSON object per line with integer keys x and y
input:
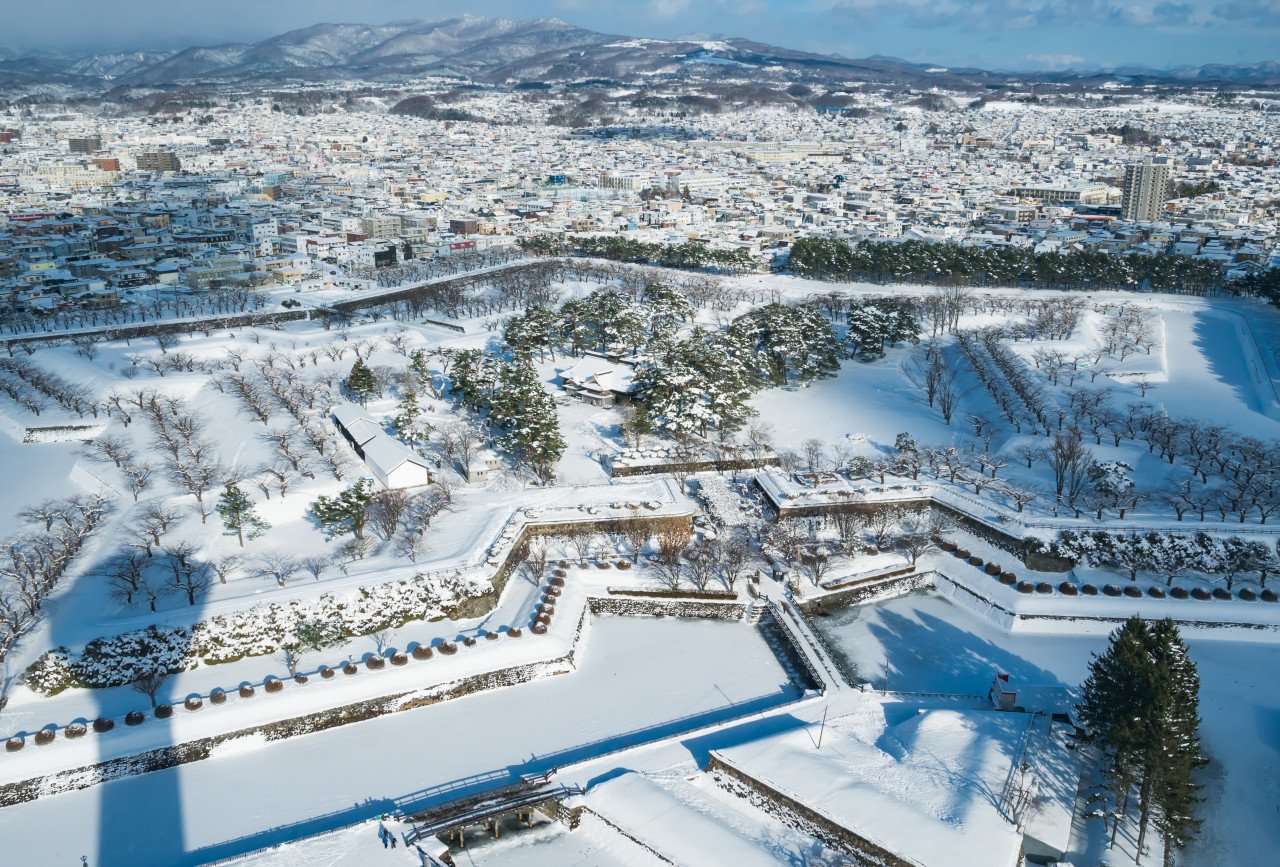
{"x": 383, "y": 835}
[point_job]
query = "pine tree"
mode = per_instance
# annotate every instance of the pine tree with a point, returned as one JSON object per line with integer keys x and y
{"x": 1175, "y": 754}
{"x": 406, "y": 420}
{"x": 1112, "y": 703}
{"x": 311, "y": 635}
{"x": 239, "y": 518}
{"x": 347, "y": 512}
{"x": 1140, "y": 705}
{"x": 361, "y": 382}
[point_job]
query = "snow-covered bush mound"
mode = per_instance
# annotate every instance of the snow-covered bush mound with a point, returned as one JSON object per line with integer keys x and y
{"x": 256, "y": 631}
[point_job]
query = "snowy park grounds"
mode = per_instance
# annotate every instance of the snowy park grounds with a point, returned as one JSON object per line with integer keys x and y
{"x": 695, "y": 673}
{"x": 1173, "y": 405}
{"x": 923, "y": 643}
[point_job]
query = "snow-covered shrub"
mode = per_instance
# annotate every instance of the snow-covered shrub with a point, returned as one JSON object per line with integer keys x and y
{"x": 257, "y": 631}
{"x": 51, "y": 673}
{"x": 117, "y": 660}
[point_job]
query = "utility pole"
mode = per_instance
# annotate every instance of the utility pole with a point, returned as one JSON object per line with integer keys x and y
{"x": 823, "y": 727}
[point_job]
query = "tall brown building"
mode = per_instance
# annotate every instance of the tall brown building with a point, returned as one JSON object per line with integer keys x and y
{"x": 159, "y": 161}
{"x": 85, "y": 145}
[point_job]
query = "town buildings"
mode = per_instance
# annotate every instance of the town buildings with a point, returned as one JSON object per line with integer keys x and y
{"x": 241, "y": 198}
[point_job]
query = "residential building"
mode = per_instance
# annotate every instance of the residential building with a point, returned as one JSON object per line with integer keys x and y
{"x": 1146, "y": 185}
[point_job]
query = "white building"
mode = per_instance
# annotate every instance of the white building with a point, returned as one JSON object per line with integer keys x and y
{"x": 391, "y": 462}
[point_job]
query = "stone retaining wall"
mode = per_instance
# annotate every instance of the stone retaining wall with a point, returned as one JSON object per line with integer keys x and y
{"x": 618, "y": 470}
{"x": 873, "y": 590}
{"x": 649, "y": 606}
{"x": 795, "y": 653}
{"x": 796, "y": 815}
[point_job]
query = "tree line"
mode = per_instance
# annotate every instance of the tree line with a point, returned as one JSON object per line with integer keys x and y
{"x": 953, "y": 264}
{"x": 689, "y": 256}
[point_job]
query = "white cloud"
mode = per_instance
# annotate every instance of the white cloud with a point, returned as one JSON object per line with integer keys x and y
{"x": 669, "y": 8}
{"x": 1056, "y": 61}
{"x": 1024, "y": 14}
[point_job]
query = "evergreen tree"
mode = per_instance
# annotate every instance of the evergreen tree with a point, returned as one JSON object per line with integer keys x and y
{"x": 791, "y": 342}
{"x": 406, "y": 420}
{"x": 526, "y": 411}
{"x": 347, "y": 512}
{"x": 1140, "y": 705}
{"x": 696, "y": 385}
{"x": 361, "y": 382}
{"x": 1175, "y": 751}
{"x": 1111, "y": 707}
{"x": 239, "y": 518}
{"x": 311, "y": 635}
{"x": 533, "y": 331}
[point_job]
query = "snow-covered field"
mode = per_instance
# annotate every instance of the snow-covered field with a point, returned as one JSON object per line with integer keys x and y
{"x": 923, "y": 643}
{"x": 1211, "y": 361}
{"x": 639, "y": 679}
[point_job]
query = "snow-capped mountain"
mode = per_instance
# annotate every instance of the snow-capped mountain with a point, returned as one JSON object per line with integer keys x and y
{"x": 501, "y": 50}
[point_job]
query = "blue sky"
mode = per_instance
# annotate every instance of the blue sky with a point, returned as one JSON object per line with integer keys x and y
{"x": 1003, "y": 34}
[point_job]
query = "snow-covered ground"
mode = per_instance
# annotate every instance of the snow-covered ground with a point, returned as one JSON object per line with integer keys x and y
{"x": 1214, "y": 360}
{"x": 923, "y": 643}
{"x": 638, "y": 679}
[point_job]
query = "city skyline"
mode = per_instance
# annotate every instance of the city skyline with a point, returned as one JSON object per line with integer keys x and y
{"x": 1000, "y": 34}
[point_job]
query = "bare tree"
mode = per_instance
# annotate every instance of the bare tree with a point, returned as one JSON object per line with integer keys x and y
{"x": 734, "y": 556}
{"x": 1069, "y": 458}
{"x": 316, "y": 564}
{"x": 459, "y": 441}
{"x": 224, "y": 566}
{"x": 814, "y": 450}
{"x": 411, "y": 542}
{"x": 186, "y": 574}
{"x": 1030, "y": 454}
{"x": 637, "y": 534}
{"x": 579, "y": 539}
{"x": 279, "y": 566}
{"x": 915, "y": 537}
{"x": 125, "y": 571}
{"x": 157, "y": 519}
{"x": 149, "y": 683}
{"x": 787, "y": 537}
{"x": 703, "y": 563}
{"x": 535, "y": 557}
{"x": 385, "y": 512}
{"x": 815, "y": 563}
{"x": 1021, "y": 497}
{"x": 759, "y": 438}
{"x": 883, "y": 526}
{"x": 138, "y": 477}
{"x": 672, "y": 544}
{"x": 846, "y": 524}
{"x": 115, "y": 449}
{"x": 948, "y": 394}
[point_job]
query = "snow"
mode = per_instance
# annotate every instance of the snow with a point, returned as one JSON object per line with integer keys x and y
{"x": 314, "y": 783}
{"x": 1215, "y": 360}
{"x": 923, "y": 643}
{"x": 663, "y": 822}
{"x": 923, "y": 787}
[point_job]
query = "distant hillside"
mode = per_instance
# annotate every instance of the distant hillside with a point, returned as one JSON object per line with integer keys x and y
{"x": 503, "y": 51}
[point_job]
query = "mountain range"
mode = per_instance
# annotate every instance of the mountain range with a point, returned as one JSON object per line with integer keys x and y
{"x": 503, "y": 51}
